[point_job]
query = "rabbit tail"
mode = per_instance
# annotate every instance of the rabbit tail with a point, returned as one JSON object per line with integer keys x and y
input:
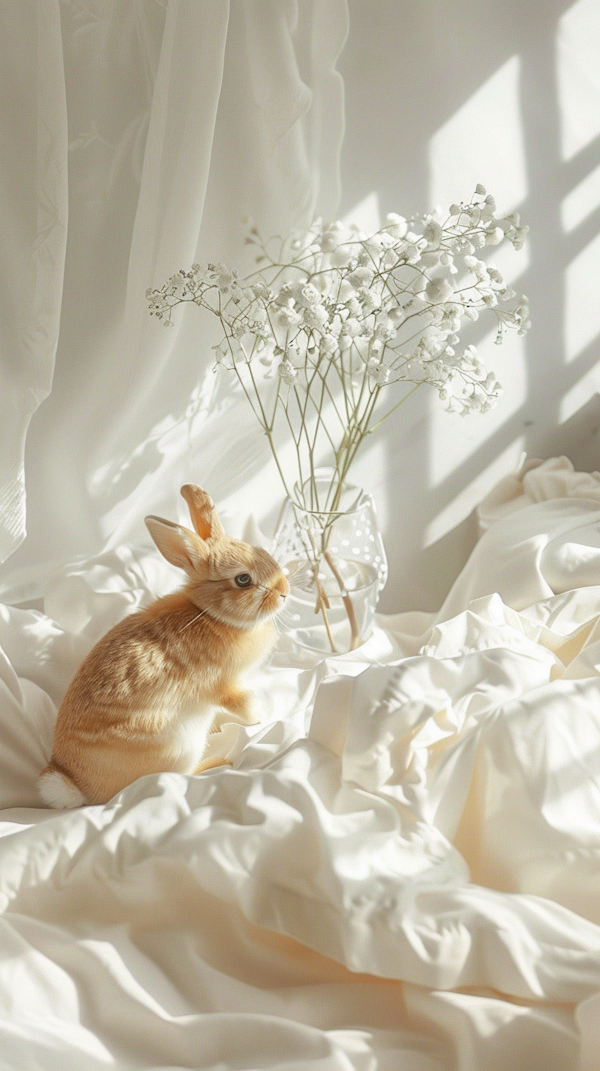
{"x": 58, "y": 790}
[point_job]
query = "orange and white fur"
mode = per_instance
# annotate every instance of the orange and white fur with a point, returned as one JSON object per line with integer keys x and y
{"x": 145, "y": 697}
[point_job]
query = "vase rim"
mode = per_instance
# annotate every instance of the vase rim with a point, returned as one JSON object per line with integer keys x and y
{"x": 361, "y": 502}
{"x": 328, "y": 512}
{"x": 326, "y": 474}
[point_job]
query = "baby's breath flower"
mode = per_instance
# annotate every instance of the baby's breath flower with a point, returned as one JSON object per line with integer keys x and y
{"x": 224, "y": 278}
{"x": 438, "y": 290}
{"x": 354, "y": 306}
{"x": 495, "y": 236}
{"x": 331, "y": 237}
{"x": 261, "y": 290}
{"x": 519, "y": 237}
{"x": 285, "y": 295}
{"x": 328, "y": 344}
{"x": 430, "y": 259}
{"x": 286, "y": 316}
{"x": 380, "y": 375}
{"x": 432, "y": 233}
{"x": 315, "y": 316}
{"x": 336, "y": 309}
{"x": 352, "y": 327}
{"x": 361, "y": 277}
{"x": 410, "y": 253}
{"x": 287, "y": 371}
{"x": 490, "y": 299}
{"x": 385, "y": 328}
{"x": 396, "y": 225}
{"x": 345, "y": 256}
{"x": 306, "y": 294}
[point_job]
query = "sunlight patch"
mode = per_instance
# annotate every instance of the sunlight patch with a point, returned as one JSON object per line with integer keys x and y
{"x": 366, "y": 214}
{"x": 579, "y": 394}
{"x": 578, "y": 76}
{"x": 478, "y": 140}
{"x": 581, "y": 201}
{"x": 472, "y": 494}
{"x": 582, "y": 307}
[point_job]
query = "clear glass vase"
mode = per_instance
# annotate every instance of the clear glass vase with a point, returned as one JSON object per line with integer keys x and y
{"x": 336, "y": 565}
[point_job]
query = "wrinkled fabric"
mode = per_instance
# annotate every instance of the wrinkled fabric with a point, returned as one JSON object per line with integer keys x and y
{"x": 400, "y": 868}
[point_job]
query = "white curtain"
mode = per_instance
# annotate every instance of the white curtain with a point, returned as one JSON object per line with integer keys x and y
{"x": 33, "y": 188}
{"x": 153, "y": 127}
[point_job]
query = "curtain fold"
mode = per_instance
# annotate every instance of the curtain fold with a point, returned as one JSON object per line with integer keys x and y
{"x": 33, "y": 189}
{"x": 168, "y": 215}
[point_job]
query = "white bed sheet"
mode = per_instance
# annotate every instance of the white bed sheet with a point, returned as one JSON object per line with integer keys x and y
{"x": 400, "y": 871}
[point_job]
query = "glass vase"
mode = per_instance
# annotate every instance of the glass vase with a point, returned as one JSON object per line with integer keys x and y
{"x": 336, "y": 566}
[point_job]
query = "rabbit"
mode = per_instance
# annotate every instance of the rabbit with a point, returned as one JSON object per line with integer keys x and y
{"x": 144, "y": 699}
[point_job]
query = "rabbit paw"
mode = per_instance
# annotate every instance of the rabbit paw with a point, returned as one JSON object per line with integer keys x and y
{"x": 243, "y": 705}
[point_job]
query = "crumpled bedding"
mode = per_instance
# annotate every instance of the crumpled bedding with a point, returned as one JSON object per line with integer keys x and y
{"x": 401, "y": 870}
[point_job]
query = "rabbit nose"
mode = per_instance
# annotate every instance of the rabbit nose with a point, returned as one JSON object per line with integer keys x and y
{"x": 283, "y": 588}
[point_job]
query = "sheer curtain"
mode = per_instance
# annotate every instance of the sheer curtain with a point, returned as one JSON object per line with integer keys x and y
{"x": 33, "y": 187}
{"x": 152, "y": 127}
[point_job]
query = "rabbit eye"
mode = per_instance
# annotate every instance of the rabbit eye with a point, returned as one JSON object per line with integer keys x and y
{"x": 244, "y": 580}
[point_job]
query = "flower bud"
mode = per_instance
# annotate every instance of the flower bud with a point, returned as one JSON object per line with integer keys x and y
{"x": 438, "y": 290}
{"x": 494, "y": 237}
{"x": 361, "y": 277}
{"x": 396, "y": 225}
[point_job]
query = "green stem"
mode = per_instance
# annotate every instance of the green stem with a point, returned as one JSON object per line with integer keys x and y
{"x": 393, "y": 409}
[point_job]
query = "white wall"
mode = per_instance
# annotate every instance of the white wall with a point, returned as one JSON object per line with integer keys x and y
{"x": 440, "y": 96}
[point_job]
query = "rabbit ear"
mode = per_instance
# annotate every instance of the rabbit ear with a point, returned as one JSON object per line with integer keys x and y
{"x": 203, "y": 512}
{"x": 177, "y": 544}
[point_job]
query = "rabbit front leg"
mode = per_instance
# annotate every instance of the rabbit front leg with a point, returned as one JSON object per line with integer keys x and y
{"x": 211, "y": 764}
{"x": 242, "y": 703}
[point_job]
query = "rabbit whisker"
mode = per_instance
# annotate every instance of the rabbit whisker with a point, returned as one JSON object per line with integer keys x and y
{"x": 201, "y": 614}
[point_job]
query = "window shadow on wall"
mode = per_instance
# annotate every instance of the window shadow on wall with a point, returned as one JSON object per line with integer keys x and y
{"x": 409, "y": 69}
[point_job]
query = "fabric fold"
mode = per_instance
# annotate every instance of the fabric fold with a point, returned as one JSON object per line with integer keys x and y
{"x": 399, "y": 868}
{"x": 33, "y": 185}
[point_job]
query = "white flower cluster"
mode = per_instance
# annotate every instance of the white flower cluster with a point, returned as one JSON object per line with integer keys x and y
{"x": 368, "y": 310}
